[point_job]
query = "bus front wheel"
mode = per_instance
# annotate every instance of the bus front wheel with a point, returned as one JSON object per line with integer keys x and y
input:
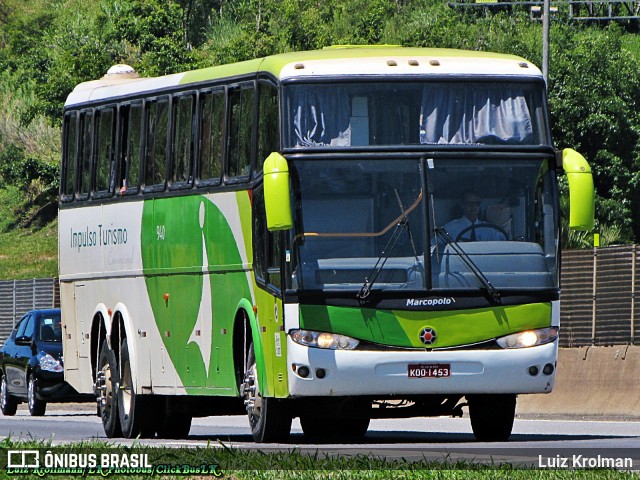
{"x": 492, "y": 416}
{"x": 269, "y": 417}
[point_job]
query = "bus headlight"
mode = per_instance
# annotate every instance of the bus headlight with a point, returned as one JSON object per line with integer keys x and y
{"x": 325, "y": 340}
{"x": 529, "y": 338}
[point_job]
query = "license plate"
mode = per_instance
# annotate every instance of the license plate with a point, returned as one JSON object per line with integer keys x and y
{"x": 429, "y": 370}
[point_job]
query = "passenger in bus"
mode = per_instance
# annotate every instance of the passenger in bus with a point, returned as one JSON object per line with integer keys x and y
{"x": 469, "y": 227}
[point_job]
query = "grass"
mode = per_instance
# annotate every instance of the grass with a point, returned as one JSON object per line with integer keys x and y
{"x": 632, "y": 43}
{"x": 241, "y": 464}
{"x": 29, "y": 253}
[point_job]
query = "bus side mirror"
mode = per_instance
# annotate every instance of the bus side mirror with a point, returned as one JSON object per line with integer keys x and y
{"x": 277, "y": 196}
{"x": 581, "y": 190}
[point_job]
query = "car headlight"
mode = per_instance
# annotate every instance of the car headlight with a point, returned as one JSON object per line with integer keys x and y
{"x": 529, "y": 338}
{"x": 50, "y": 364}
{"x": 325, "y": 340}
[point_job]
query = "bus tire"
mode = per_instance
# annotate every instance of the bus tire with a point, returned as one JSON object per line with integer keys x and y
{"x": 175, "y": 426}
{"x": 492, "y": 416}
{"x": 351, "y": 423}
{"x": 339, "y": 427}
{"x": 135, "y": 419}
{"x": 269, "y": 418}
{"x": 107, "y": 391}
{"x": 173, "y": 416}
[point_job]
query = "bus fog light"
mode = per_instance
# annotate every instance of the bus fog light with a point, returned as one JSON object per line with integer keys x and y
{"x": 529, "y": 338}
{"x": 533, "y": 371}
{"x": 303, "y": 371}
{"x": 321, "y": 373}
{"x": 330, "y": 341}
{"x": 548, "y": 369}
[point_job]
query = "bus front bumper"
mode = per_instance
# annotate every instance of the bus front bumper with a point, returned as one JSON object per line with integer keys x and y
{"x": 354, "y": 372}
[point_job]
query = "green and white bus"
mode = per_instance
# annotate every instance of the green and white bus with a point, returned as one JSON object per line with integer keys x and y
{"x": 273, "y": 237}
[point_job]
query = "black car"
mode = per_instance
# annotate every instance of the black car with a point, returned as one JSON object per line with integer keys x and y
{"x": 31, "y": 365}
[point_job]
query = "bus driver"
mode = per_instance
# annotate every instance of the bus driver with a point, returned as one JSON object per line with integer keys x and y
{"x": 469, "y": 227}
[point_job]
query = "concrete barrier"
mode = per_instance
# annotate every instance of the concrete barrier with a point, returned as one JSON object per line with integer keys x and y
{"x": 591, "y": 381}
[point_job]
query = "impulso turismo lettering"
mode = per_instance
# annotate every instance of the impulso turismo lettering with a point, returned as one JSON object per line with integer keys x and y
{"x": 100, "y": 237}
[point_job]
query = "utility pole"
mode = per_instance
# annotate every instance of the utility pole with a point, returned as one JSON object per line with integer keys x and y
{"x": 546, "y": 18}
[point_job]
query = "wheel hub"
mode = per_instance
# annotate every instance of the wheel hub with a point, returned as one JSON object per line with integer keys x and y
{"x": 249, "y": 390}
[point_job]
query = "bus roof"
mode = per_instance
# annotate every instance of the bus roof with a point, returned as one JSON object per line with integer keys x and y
{"x": 336, "y": 61}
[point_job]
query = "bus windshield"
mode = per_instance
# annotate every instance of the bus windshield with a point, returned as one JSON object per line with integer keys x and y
{"x": 415, "y": 113}
{"x": 402, "y": 224}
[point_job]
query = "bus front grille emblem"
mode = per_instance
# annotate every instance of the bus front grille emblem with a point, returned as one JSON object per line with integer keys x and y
{"x": 428, "y": 336}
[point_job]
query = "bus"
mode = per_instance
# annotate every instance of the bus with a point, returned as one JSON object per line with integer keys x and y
{"x": 273, "y": 238}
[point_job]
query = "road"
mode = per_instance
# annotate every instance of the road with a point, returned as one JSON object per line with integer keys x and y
{"x": 533, "y": 440}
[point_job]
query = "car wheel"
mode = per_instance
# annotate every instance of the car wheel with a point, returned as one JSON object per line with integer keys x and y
{"x": 8, "y": 404}
{"x": 37, "y": 407}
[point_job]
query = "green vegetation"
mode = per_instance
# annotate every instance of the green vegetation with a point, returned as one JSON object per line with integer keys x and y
{"x": 48, "y": 46}
{"x": 240, "y": 464}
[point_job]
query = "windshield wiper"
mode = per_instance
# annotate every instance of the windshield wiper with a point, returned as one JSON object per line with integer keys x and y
{"x": 365, "y": 290}
{"x": 403, "y": 223}
{"x": 491, "y": 290}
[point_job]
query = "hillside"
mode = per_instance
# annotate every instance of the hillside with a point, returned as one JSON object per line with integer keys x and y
{"x": 48, "y": 46}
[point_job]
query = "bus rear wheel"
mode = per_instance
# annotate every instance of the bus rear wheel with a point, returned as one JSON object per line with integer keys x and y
{"x": 106, "y": 390}
{"x": 135, "y": 419}
{"x": 492, "y": 416}
{"x": 175, "y": 421}
{"x": 269, "y": 418}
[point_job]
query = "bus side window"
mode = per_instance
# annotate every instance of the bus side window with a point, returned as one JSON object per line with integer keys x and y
{"x": 131, "y": 138}
{"x": 212, "y": 105}
{"x": 259, "y": 235}
{"x": 86, "y": 151}
{"x": 69, "y": 157}
{"x": 268, "y": 131}
{"x": 182, "y": 145}
{"x": 157, "y": 130}
{"x": 266, "y": 245}
{"x": 105, "y": 142}
{"x": 242, "y": 103}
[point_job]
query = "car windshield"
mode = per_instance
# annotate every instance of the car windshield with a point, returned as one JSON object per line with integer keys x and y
{"x": 50, "y": 329}
{"x": 400, "y": 224}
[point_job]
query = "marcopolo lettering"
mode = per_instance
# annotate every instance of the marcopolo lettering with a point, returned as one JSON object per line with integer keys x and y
{"x": 429, "y": 302}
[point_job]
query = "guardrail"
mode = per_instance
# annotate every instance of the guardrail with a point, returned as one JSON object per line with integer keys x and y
{"x": 20, "y": 296}
{"x": 599, "y": 304}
